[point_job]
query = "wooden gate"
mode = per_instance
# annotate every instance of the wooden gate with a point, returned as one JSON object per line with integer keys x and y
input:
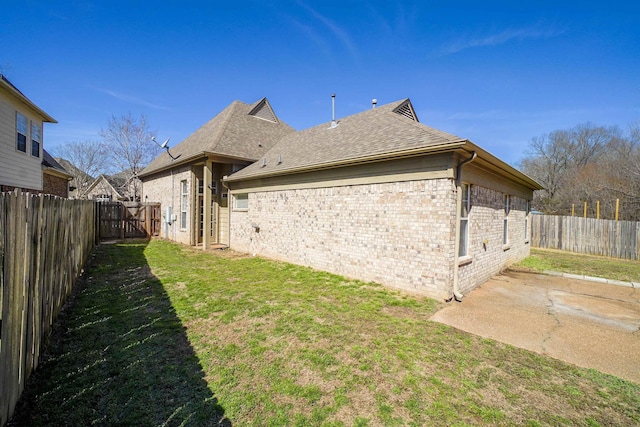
{"x": 122, "y": 220}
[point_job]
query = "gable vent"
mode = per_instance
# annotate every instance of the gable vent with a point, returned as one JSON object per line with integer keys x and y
{"x": 263, "y": 111}
{"x": 406, "y": 109}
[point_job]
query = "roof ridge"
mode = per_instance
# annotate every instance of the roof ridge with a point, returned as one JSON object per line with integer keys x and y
{"x": 224, "y": 125}
{"x": 385, "y": 107}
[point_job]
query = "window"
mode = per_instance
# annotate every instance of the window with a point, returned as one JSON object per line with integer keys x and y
{"x": 36, "y": 138}
{"x": 21, "y": 133}
{"x": 527, "y": 210}
{"x": 507, "y": 207}
{"x": 465, "y": 207}
{"x": 184, "y": 201}
{"x": 241, "y": 201}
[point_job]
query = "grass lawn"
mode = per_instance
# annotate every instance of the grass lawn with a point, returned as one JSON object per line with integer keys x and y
{"x": 587, "y": 265}
{"x": 162, "y": 334}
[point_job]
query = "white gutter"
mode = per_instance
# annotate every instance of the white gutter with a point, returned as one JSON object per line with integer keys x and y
{"x": 456, "y": 247}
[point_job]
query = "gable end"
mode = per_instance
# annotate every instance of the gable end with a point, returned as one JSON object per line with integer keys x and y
{"x": 406, "y": 109}
{"x": 263, "y": 111}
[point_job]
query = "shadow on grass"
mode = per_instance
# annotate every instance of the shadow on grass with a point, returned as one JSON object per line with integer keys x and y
{"x": 119, "y": 355}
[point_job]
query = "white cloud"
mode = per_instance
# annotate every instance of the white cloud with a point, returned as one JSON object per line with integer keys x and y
{"x": 335, "y": 29}
{"x": 131, "y": 99}
{"x": 534, "y": 32}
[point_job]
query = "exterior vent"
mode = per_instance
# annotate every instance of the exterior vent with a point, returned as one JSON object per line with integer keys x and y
{"x": 406, "y": 109}
{"x": 263, "y": 111}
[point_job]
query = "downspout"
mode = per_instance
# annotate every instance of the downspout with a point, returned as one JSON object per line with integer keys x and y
{"x": 456, "y": 247}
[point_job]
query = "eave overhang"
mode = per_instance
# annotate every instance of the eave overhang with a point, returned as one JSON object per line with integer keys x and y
{"x": 11, "y": 89}
{"x": 194, "y": 158}
{"x": 434, "y": 149}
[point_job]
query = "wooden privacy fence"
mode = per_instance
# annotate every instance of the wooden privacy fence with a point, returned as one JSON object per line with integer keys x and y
{"x": 118, "y": 220}
{"x": 44, "y": 243}
{"x": 617, "y": 239}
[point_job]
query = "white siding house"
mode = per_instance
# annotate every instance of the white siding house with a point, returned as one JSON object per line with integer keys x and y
{"x": 21, "y": 139}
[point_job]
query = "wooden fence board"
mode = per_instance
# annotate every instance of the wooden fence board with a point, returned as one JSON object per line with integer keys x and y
{"x": 617, "y": 239}
{"x": 118, "y": 220}
{"x": 44, "y": 243}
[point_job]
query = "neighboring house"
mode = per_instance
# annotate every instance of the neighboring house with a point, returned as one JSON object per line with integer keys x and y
{"x": 55, "y": 178}
{"x": 106, "y": 188}
{"x": 378, "y": 196}
{"x": 111, "y": 188}
{"x": 130, "y": 185}
{"x": 188, "y": 178}
{"x": 80, "y": 181}
{"x": 21, "y": 140}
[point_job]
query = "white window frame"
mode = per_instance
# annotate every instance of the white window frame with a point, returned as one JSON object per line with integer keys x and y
{"x": 241, "y": 202}
{"x": 36, "y": 138}
{"x": 465, "y": 207}
{"x": 22, "y": 129}
{"x": 505, "y": 229}
{"x": 184, "y": 203}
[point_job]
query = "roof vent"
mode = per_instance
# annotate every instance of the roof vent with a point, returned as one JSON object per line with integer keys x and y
{"x": 333, "y": 111}
{"x": 406, "y": 109}
{"x": 264, "y": 162}
{"x": 373, "y": 103}
{"x": 263, "y": 110}
{"x": 279, "y": 158}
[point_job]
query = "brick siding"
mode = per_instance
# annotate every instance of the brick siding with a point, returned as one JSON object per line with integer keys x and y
{"x": 164, "y": 188}
{"x": 487, "y": 253}
{"x": 398, "y": 234}
{"x": 55, "y": 185}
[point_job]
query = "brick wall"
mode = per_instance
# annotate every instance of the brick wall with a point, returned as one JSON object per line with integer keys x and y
{"x": 487, "y": 253}
{"x": 55, "y": 185}
{"x": 10, "y": 188}
{"x": 398, "y": 234}
{"x": 164, "y": 188}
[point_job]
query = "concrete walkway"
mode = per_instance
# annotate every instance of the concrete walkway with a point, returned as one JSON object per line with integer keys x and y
{"x": 589, "y": 324}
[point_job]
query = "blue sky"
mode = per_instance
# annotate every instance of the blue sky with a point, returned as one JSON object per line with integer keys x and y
{"x": 497, "y": 73}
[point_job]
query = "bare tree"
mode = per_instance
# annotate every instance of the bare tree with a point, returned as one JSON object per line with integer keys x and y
{"x": 85, "y": 160}
{"x": 582, "y": 164}
{"x": 547, "y": 162}
{"x": 624, "y": 173}
{"x": 128, "y": 143}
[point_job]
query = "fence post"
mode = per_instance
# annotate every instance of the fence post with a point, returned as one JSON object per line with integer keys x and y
{"x": 617, "y": 207}
{"x": 122, "y": 221}
{"x": 597, "y": 209}
{"x": 585, "y": 209}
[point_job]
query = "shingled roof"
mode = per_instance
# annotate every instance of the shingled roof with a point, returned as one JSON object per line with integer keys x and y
{"x": 388, "y": 131}
{"x": 240, "y": 131}
{"x": 49, "y": 161}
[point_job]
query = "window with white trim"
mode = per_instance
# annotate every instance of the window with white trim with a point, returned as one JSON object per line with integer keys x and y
{"x": 21, "y": 132}
{"x": 507, "y": 208}
{"x": 465, "y": 207}
{"x": 241, "y": 201}
{"x": 184, "y": 202}
{"x": 36, "y": 139}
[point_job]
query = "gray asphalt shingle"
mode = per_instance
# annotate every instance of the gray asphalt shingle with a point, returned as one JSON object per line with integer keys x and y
{"x": 375, "y": 132}
{"x": 233, "y": 133}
